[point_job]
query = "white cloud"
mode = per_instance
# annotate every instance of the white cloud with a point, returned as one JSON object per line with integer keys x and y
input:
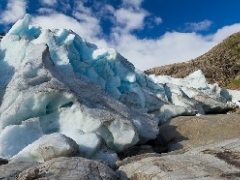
{"x": 85, "y": 25}
{"x": 79, "y": 7}
{"x": 226, "y": 31}
{"x": 158, "y": 20}
{"x": 87, "y": 28}
{"x": 45, "y": 10}
{"x": 170, "y": 48}
{"x": 109, "y": 8}
{"x": 82, "y": 20}
{"x": 198, "y": 26}
{"x": 105, "y": 11}
{"x": 15, "y": 10}
{"x": 129, "y": 19}
{"x": 49, "y": 2}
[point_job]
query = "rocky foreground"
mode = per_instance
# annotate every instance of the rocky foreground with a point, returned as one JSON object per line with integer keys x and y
{"x": 217, "y": 161}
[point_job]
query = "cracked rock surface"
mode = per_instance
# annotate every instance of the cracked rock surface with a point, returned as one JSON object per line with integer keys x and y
{"x": 218, "y": 161}
{"x": 75, "y": 168}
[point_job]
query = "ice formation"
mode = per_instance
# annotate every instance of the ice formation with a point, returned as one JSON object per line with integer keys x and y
{"x": 47, "y": 147}
{"x": 52, "y": 81}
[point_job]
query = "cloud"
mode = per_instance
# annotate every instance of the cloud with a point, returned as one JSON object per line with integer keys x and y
{"x": 45, "y": 11}
{"x": 79, "y": 7}
{"x": 84, "y": 25}
{"x": 129, "y": 19}
{"x": 15, "y": 10}
{"x": 129, "y": 16}
{"x": 49, "y": 2}
{"x": 170, "y": 48}
{"x": 198, "y": 26}
{"x": 82, "y": 22}
{"x": 104, "y": 11}
{"x": 158, "y": 20}
{"x": 225, "y": 31}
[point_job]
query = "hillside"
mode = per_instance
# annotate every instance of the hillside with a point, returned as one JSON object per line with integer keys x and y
{"x": 220, "y": 65}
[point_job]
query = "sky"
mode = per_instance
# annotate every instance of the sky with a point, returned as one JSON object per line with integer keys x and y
{"x": 149, "y": 33}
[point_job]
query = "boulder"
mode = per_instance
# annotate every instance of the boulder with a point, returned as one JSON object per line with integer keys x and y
{"x": 3, "y": 161}
{"x": 74, "y": 168}
{"x": 218, "y": 161}
{"x": 11, "y": 171}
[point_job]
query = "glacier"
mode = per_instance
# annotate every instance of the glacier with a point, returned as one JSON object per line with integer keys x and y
{"x": 53, "y": 81}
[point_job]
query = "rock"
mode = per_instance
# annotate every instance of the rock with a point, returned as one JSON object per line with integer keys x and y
{"x": 10, "y": 171}
{"x": 192, "y": 131}
{"x": 3, "y": 161}
{"x": 74, "y": 168}
{"x": 47, "y": 147}
{"x": 218, "y": 161}
{"x": 106, "y": 155}
{"x": 236, "y": 111}
{"x": 137, "y": 150}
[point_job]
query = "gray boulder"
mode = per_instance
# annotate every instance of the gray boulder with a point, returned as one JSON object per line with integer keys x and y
{"x": 12, "y": 170}
{"x": 3, "y": 161}
{"x": 218, "y": 161}
{"x": 74, "y": 168}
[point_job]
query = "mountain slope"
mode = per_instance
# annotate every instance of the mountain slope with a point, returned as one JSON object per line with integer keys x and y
{"x": 220, "y": 65}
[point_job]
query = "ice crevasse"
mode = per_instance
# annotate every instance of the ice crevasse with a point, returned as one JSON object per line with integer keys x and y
{"x": 52, "y": 81}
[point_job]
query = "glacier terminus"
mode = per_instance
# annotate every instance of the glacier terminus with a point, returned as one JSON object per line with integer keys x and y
{"x": 60, "y": 92}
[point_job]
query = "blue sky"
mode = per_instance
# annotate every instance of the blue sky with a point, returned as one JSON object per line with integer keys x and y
{"x": 148, "y": 33}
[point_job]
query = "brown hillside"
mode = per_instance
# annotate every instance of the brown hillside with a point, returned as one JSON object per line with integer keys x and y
{"x": 220, "y": 65}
